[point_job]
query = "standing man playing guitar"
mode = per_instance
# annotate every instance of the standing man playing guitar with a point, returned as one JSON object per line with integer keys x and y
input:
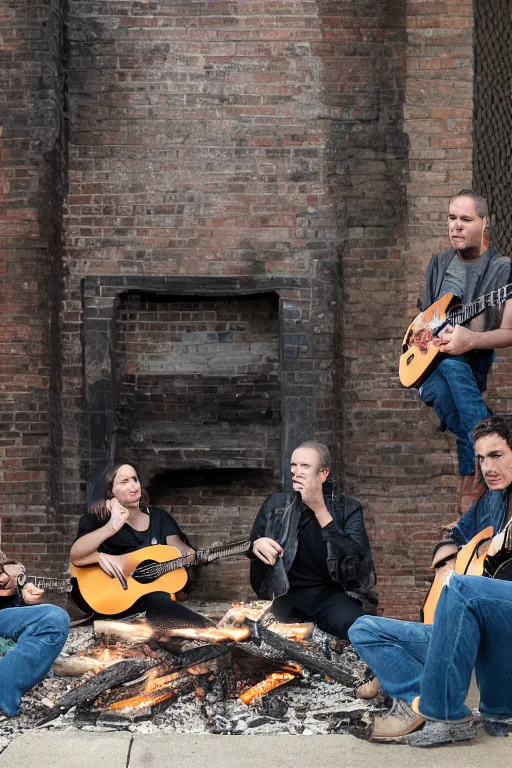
{"x": 124, "y": 523}
{"x": 427, "y": 668}
{"x": 470, "y": 268}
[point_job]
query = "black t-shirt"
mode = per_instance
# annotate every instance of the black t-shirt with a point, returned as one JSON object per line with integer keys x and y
{"x": 161, "y": 525}
{"x": 309, "y": 567}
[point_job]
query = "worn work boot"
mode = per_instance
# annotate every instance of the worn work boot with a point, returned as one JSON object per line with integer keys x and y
{"x": 398, "y": 722}
{"x": 369, "y": 689}
{"x": 470, "y": 489}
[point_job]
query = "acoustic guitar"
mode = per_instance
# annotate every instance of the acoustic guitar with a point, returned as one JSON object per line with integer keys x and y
{"x": 473, "y": 560}
{"x": 159, "y": 568}
{"x": 419, "y": 356}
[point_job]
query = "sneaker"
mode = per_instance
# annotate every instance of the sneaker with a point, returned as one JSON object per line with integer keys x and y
{"x": 435, "y": 733}
{"x": 398, "y": 722}
{"x": 369, "y": 689}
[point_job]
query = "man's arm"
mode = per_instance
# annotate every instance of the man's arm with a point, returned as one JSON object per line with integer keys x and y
{"x": 458, "y": 340}
{"x": 352, "y": 539}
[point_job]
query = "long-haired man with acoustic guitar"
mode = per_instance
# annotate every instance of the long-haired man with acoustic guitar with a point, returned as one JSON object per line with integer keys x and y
{"x": 427, "y": 668}
{"x": 122, "y": 523}
{"x": 470, "y": 268}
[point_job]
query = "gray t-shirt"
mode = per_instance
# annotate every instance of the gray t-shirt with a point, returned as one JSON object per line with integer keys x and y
{"x": 456, "y": 277}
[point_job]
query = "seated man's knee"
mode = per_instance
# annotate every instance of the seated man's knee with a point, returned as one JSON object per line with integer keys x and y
{"x": 53, "y": 622}
{"x": 361, "y": 630}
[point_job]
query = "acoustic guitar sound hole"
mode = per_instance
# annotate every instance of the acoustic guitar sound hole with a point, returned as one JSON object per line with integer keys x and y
{"x": 146, "y": 572}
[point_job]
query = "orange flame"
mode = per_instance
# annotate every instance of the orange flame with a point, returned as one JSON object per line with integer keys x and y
{"x": 272, "y": 681}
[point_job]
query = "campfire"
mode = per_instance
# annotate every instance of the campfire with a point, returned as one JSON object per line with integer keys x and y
{"x": 247, "y": 674}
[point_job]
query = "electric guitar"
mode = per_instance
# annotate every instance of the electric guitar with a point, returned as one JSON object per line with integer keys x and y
{"x": 419, "y": 356}
{"x": 473, "y": 560}
{"x": 159, "y": 568}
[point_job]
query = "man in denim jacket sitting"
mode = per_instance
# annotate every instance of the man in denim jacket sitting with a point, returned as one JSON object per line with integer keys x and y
{"x": 427, "y": 669}
{"x": 38, "y": 631}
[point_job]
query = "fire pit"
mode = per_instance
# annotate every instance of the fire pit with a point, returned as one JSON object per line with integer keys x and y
{"x": 247, "y": 675}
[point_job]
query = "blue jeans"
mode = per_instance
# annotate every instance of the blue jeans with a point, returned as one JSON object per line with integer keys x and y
{"x": 472, "y": 630}
{"x": 453, "y": 391}
{"x": 40, "y": 631}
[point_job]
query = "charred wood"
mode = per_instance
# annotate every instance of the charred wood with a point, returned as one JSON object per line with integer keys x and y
{"x": 269, "y": 644}
{"x": 118, "y": 674}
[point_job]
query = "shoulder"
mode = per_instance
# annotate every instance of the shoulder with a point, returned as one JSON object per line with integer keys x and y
{"x": 273, "y": 501}
{"x": 277, "y": 499}
{"x": 345, "y": 505}
{"x": 157, "y": 514}
{"x": 445, "y": 257}
{"x": 88, "y": 523}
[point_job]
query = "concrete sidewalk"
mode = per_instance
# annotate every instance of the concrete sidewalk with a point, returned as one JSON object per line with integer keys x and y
{"x": 81, "y": 749}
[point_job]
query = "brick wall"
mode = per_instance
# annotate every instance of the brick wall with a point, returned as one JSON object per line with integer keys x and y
{"x": 31, "y": 187}
{"x": 315, "y": 141}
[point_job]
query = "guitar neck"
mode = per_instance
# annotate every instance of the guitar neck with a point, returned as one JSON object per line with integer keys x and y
{"x": 54, "y": 585}
{"x": 461, "y": 315}
{"x": 207, "y": 555}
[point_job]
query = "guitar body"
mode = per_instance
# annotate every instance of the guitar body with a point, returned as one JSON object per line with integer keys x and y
{"x": 470, "y": 562}
{"x": 106, "y": 595}
{"x": 419, "y": 355}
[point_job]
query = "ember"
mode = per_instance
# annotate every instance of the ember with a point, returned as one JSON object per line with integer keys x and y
{"x": 267, "y": 685}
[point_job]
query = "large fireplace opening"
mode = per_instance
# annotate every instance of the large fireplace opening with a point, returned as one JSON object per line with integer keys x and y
{"x": 198, "y": 381}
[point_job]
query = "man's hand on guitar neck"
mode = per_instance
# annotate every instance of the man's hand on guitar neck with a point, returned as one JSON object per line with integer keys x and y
{"x": 112, "y": 565}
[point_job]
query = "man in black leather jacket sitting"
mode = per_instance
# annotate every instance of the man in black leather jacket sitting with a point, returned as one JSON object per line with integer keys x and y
{"x": 311, "y": 553}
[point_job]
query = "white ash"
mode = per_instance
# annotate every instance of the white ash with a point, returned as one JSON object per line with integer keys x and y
{"x": 305, "y": 706}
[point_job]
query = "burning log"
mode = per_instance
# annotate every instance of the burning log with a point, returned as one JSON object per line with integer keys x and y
{"x": 74, "y": 666}
{"x": 286, "y": 650}
{"x": 239, "y": 612}
{"x": 136, "y": 633}
{"x": 123, "y": 672}
{"x": 156, "y": 691}
{"x": 211, "y": 634}
{"x": 265, "y": 686}
{"x": 122, "y": 630}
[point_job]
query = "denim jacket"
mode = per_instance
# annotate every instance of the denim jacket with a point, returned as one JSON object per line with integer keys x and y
{"x": 489, "y": 509}
{"x": 349, "y": 559}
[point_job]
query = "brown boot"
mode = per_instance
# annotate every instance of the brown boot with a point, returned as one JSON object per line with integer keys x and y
{"x": 369, "y": 690}
{"x": 398, "y": 722}
{"x": 470, "y": 489}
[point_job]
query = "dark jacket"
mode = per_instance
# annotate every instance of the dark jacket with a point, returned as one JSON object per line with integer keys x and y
{"x": 349, "y": 558}
{"x": 489, "y": 509}
{"x": 493, "y": 273}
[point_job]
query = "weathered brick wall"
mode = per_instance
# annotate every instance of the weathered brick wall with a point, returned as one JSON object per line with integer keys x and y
{"x": 30, "y": 204}
{"x": 309, "y": 140}
{"x": 409, "y": 468}
{"x": 196, "y": 148}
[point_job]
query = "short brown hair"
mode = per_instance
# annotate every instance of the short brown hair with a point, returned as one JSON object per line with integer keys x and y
{"x": 322, "y": 450}
{"x": 481, "y": 207}
{"x": 500, "y": 424}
